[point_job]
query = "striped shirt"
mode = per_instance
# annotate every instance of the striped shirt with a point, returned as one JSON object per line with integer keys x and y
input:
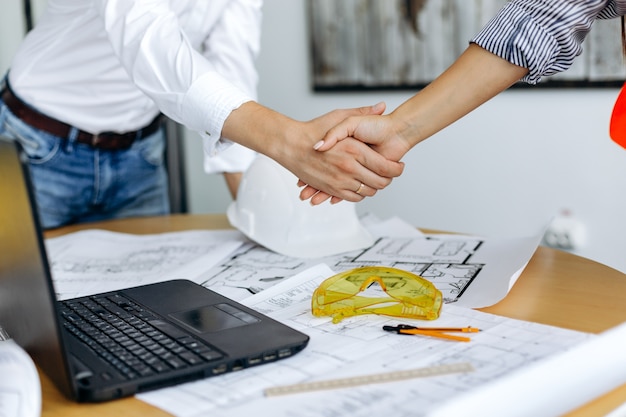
{"x": 544, "y": 36}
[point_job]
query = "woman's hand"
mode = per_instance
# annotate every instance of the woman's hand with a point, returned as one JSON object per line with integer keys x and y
{"x": 338, "y": 172}
{"x": 378, "y": 132}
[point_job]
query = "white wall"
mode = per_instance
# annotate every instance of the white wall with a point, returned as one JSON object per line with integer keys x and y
{"x": 11, "y": 32}
{"x": 13, "y": 27}
{"x": 506, "y": 169}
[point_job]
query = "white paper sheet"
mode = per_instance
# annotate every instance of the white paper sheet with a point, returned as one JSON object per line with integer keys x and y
{"x": 470, "y": 271}
{"x": 94, "y": 261}
{"x": 359, "y": 346}
{"x": 572, "y": 379}
{"x": 618, "y": 412}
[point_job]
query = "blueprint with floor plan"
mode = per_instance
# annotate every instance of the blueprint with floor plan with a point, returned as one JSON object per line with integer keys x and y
{"x": 469, "y": 271}
{"x": 358, "y": 347}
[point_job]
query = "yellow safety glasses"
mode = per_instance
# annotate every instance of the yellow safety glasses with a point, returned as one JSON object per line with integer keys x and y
{"x": 405, "y": 295}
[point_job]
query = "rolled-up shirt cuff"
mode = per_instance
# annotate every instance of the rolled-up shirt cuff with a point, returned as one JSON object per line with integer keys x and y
{"x": 236, "y": 158}
{"x": 514, "y": 36}
{"x": 207, "y": 105}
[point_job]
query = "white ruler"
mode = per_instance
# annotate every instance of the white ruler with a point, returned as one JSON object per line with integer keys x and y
{"x": 451, "y": 368}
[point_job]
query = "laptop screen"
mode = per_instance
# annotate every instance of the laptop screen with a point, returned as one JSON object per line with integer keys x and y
{"x": 27, "y": 304}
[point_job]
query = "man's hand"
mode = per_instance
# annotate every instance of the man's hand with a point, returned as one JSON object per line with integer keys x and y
{"x": 361, "y": 170}
{"x": 339, "y": 172}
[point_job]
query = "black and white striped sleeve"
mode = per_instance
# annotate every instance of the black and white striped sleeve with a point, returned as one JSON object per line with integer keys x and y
{"x": 544, "y": 36}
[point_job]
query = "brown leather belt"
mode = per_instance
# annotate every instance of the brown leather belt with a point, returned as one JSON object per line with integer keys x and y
{"x": 110, "y": 141}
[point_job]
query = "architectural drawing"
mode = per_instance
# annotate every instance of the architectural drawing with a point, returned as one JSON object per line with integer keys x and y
{"x": 150, "y": 260}
{"x": 358, "y": 346}
{"x": 96, "y": 261}
{"x": 470, "y": 271}
{"x": 446, "y": 262}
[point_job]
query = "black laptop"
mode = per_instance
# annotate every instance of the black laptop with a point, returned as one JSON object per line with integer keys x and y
{"x": 116, "y": 344}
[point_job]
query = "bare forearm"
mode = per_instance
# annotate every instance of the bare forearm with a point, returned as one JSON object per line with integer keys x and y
{"x": 290, "y": 143}
{"x": 473, "y": 79}
{"x": 260, "y": 129}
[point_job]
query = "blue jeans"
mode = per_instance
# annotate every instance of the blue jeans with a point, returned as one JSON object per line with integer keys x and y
{"x": 76, "y": 183}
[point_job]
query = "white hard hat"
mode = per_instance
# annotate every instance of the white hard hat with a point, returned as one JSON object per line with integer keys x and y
{"x": 269, "y": 211}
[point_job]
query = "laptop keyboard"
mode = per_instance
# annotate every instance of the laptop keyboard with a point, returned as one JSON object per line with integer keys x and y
{"x": 135, "y": 341}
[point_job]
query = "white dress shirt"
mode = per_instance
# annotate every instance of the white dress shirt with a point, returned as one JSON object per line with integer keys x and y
{"x": 113, "y": 65}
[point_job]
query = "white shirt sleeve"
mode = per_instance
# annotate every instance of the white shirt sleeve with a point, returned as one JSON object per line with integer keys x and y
{"x": 192, "y": 89}
{"x": 233, "y": 47}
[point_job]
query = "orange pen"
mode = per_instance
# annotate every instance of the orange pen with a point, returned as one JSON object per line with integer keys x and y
{"x": 439, "y": 332}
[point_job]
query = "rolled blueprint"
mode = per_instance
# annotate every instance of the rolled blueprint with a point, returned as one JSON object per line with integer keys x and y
{"x": 549, "y": 387}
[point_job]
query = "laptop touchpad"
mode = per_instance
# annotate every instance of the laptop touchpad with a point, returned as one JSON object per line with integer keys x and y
{"x": 213, "y": 318}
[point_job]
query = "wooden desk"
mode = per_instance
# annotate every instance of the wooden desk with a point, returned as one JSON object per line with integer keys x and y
{"x": 556, "y": 288}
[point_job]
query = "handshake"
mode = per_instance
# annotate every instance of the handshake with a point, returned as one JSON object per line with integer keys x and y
{"x": 356, "y": 153}
{"x": 351, "y": 154}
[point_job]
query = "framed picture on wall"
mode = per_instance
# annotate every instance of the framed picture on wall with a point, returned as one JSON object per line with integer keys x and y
{"x": 405, "y": 44}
